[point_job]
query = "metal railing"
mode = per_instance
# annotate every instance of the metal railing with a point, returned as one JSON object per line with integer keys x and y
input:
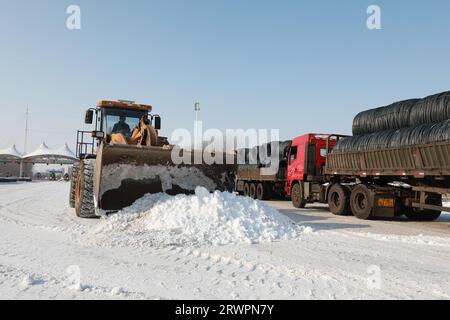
{"x": 85, "y": 144}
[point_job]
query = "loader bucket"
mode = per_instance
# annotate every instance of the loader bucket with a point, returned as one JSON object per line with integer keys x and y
{"x": 125, "y": 173}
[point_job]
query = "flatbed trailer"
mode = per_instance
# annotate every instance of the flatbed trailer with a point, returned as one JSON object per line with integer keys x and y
{"x": 410, "y": 180}
{"x": 251, "y": 183}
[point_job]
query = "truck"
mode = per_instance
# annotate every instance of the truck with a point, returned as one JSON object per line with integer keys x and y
{"x": 300, "y": 173}
{"x": 390, "y": 182}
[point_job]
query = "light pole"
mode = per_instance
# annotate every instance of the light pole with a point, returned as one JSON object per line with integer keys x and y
{"x": 24, "y": 144}
{"x": 197, "y": 134}
{"x": 197, "y": 110}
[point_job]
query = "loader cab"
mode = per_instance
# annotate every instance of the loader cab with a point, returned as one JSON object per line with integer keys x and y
{"x": 104, "y": 117}
{"x": 124, "y": 113}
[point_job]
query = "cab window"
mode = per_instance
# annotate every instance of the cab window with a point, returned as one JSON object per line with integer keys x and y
{"x": 293, "y": 155}
{"x": 113, "y": 122}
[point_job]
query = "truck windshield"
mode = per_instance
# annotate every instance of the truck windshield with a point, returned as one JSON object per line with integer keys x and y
{"x": 121, "y": 120}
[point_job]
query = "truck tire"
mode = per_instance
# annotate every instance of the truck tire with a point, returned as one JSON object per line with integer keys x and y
{"x": 339, "y": 200}
{"x": 360, "y": 202}
{"x": 252, "y": 192}
{"x": 84, "y": 195}
{"x": 246, "y": 190}
{"x": 261, "y": 193}
{"x": 297, "y": 196}
{"x": 425, "y": 215}
{"x": 415, "y": 214}
{"x": 73, "y": 182}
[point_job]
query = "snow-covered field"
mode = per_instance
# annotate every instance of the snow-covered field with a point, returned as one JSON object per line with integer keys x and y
{"x": 144, "y": 253}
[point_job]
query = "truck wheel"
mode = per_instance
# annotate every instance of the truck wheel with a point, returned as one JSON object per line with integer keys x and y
{"x": 260, "y": 192}
{"x": 339, "y": 200}
{"x": 84, "y": 195}
{"x": 246, "y": 190}
{"x": 73, "y": 182}
{"x": 360, "y": 202}
{"x": 252, "y": 193}
{"x": 297, "y": 196}
{"x": 425, "y": 215}
{"x": 415, "y": 214}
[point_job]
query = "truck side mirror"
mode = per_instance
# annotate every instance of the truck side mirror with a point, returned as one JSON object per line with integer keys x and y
{"x": 89, "y": 117}
{"x": 158, "y": 123}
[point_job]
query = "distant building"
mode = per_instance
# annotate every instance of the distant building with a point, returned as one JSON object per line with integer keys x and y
{"x": 12, "y": 169}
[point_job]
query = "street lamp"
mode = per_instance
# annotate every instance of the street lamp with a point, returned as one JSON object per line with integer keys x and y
{"x": 197, "y": 110}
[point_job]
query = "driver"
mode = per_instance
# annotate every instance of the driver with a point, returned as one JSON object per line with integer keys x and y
{"x": 121, "y": 126}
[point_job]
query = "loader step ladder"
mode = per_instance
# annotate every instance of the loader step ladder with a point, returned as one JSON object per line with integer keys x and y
{"x": 85, "y": 144}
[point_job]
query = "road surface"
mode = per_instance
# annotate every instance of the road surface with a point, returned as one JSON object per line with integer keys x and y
{"x": 318, "y": 217}
{"x": 48, "y": 253}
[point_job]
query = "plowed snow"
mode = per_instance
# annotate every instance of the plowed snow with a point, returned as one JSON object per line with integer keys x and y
{"x": 201, "y": 219}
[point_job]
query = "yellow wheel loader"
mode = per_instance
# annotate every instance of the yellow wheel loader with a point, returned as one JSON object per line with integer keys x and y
{"x": 124, "y": 158}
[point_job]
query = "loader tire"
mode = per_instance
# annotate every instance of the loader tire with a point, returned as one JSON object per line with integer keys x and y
{"x": 73, "y": 182}
{"x": 84, "y": 199}
{"x": 153, "y": 136}
{"x": 339, "y": 200}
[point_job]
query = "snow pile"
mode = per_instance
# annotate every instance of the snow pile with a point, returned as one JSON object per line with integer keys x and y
{"x": 201, "y": 219}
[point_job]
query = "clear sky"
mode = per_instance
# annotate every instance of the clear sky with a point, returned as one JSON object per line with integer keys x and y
{"x": 300, "y": 66}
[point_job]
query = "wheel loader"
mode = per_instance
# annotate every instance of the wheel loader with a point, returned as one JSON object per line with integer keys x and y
{"x": 123, "y": 158}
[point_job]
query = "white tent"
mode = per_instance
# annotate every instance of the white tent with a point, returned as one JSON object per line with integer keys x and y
{"x": 43, "y": 150}
{"x": 10, "y": 153}
{"x": 65, "y": 151}
{"x": 43, "y": 154}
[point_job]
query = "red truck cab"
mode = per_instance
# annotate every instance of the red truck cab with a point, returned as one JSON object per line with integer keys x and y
{"x": 306, "y": 162}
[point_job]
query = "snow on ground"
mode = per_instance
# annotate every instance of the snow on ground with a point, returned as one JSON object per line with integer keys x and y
{"x": 47, "y": 252}
{"x": 447, "y": 205}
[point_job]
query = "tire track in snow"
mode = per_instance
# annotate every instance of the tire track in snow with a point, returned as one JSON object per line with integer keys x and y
{"x": 23, "y": 280}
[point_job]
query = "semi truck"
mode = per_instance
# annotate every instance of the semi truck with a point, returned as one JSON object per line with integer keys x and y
{"x": 390, "y": 182}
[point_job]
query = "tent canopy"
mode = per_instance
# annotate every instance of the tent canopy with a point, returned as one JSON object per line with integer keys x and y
{"x": 43, "y": 154}
{"x": 10, "y": 154}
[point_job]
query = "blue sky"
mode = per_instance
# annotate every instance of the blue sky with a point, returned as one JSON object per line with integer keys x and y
{"x": 300, "y": 66}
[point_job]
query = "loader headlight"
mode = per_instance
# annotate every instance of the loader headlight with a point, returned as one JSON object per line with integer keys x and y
{"x": 98, "y": 134}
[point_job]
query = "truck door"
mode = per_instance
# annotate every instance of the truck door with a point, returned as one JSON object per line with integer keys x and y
{"x": 296, "y": 165}
{"x": 291, "y": 168}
